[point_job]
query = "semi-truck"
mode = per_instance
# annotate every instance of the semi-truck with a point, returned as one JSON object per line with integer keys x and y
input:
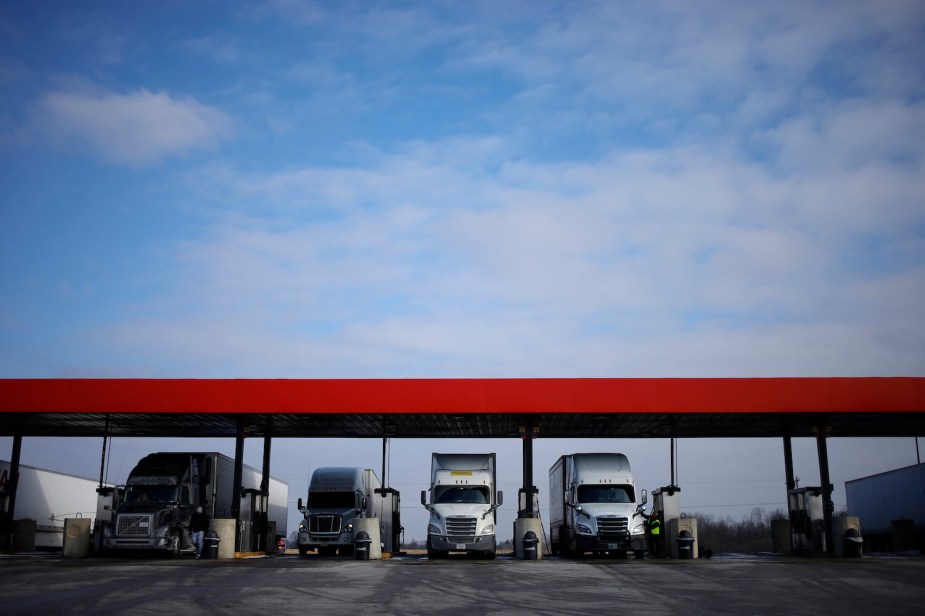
{"x": 164, "y": 489}
{"x": 593, "y": 506}
{"x": 463, "y": 504}
{"x": 337, "y": 497}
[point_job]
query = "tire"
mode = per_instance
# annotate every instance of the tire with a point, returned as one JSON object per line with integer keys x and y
{"x": 303, "y": 550}
{"x": 433, "y": 554}
{"x": 174, "y": 546}
{"x": 639, "y": 554}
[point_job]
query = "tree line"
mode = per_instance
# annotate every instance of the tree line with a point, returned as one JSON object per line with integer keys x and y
{"x": 750, "y": 534}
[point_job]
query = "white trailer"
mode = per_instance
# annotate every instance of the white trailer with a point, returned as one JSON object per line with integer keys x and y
{"x": 49, "y": 497}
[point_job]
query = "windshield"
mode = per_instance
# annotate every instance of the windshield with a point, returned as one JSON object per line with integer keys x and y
{"x": 159, "y": 494}
{"x": 332, "y": 500}
{"x": 478, "y": 495}
{"x": 605, "y": 494}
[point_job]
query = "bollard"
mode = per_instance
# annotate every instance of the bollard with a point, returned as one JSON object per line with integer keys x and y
{"x": 361, "y": 545}
{"x": 853, "y": 543}
{"x": 685, "y": 545}
{"x": 210, "y": 545}
{"x": 530, "y": 543}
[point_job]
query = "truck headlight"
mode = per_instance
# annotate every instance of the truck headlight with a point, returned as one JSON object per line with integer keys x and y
{"x": 488, "y": 530}
{"x": 584, "y": 530}
{"x": 639, "y": 529}
{"x": 349, "y": 526}
{"x": 433, "y": 529}
{"x": 302, "y": 527}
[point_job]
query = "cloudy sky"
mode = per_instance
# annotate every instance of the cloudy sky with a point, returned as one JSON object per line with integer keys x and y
{"x": 467, "y": 189}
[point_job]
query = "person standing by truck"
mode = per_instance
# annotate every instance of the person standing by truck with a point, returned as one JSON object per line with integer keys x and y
{"x": 198, "y": 525}
{"x": 654, "y": 525}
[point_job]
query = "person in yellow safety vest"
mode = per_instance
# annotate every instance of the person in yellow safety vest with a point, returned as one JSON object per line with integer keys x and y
{"x": 654, "y": 526}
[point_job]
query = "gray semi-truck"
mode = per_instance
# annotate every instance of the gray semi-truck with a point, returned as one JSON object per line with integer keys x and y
{"x": 337, "y": 497}
{"x": 163, "y": 491}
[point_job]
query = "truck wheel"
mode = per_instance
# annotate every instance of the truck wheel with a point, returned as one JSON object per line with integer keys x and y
{"x": 554, "y": 549}
{"x": 303, "y": 550}
{"x": 638, "y": 554}
{"x": 174, "y": 545}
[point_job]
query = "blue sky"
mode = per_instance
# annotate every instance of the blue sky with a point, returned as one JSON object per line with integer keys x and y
{"x": 465, "y": 189}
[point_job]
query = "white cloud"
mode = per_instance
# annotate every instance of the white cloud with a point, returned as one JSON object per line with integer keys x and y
{"x": 448, "y": 259}
{"x": 136, "y": 129}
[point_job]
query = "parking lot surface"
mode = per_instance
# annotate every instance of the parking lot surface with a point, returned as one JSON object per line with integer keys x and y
{"x": 50, "y": 584}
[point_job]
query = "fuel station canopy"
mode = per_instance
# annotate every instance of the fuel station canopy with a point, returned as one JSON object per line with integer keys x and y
{"x": 460, "y": 408}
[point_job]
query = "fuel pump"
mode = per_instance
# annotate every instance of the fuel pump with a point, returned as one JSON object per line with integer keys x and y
{"x": 254, "y": 525}
{"x": 807, "y": 519}
{"x": 680, "y": 531}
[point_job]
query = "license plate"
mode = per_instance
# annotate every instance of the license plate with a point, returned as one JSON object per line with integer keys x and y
{"x": 460, "y": 546}
{"x": 613, "y": 546}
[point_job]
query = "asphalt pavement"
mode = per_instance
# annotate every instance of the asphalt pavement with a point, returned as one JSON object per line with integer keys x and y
{"x": 727, "y": 584}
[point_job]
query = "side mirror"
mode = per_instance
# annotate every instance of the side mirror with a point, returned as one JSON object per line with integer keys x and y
{"x": 424, "y": 497}
{"x": 299, "y": 506}
{"x": 500, "y": 498}
{"x": 645, "y": 496}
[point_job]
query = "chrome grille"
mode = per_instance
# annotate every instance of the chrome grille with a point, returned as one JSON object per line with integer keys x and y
{"x": 461, "y": 529}
{"x": 134, "y": 525}
{"x": 324, "y": 523}
{"x": 612, "y": 527}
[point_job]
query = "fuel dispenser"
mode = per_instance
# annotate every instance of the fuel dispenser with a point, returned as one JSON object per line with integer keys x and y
{"x": 528, "y": 527}
{"x": 390, "y": 526}
{"x": 107, "y": 499}
{"x": 807, "y": 520}
{"x": 254, "y": 525}
{"x": 680, "y": 531}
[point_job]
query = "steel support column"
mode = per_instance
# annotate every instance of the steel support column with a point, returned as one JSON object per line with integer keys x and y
{"x": 265, "y": 477}
{"x": 528, "y": 437}
{"x": 788, "y": 464}
{"x": 828, "y": 507}
{"x": 236, "y": 493}
{"x": 12, "y": 484}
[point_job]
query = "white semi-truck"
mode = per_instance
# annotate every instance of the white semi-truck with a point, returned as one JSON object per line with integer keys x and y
{"x": 463, "y": 504}
{"x": 593, "y": 506}
{"x": 164, "y": 489}
{"x": 337, "y": 497}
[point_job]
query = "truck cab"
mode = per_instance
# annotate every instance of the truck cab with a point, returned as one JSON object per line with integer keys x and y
{"x": 463, "y": 505}
{"x": 593, "y": 506}
{"x": 156, "y": 503}
{"x": 337, "y": 496}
